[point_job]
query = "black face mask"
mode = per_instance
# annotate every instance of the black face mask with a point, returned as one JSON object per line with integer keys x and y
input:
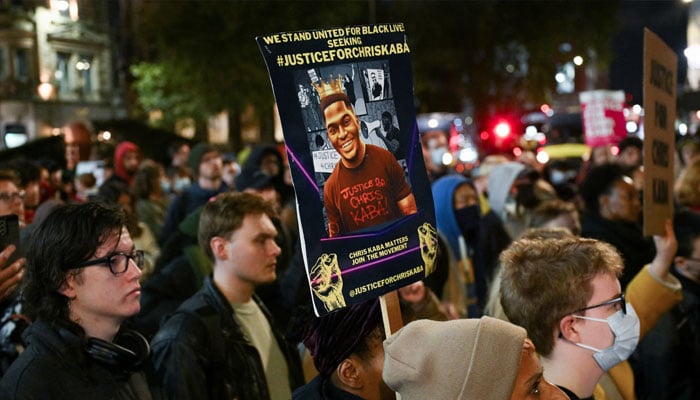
{"x": 468, "y": 220}
{"x": 526, "y": 196}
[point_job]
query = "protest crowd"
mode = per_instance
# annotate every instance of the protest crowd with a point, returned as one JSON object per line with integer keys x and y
{"x": 190, "y": 280}
{"x": 205, "y": 295}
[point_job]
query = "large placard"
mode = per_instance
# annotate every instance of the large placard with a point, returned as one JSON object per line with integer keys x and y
{"x": 364, "y": 205}
{"x": 660, "y": 75}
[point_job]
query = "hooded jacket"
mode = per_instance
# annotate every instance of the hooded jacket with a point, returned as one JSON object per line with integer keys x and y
{"x": 461, "y": 285}
{"x": 247, "y": 177}
{"x": 501, "y": 178}
{"x": 119, "y": 153}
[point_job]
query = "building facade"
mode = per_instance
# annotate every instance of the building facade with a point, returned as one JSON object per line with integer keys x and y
{"x": 57, "y": 64}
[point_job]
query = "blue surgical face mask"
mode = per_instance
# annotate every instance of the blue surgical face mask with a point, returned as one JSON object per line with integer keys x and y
{"x": 165, "y": 185}
{"x": 181, "y": 184}
{"x": 625, "y": 327}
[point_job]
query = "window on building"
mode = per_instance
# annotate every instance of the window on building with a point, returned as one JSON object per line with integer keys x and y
{"x": 62, "y": 74}
{"x": 85, "y": 68}
{"x": 4, "y": 68}
{"x": 21, "y": 64}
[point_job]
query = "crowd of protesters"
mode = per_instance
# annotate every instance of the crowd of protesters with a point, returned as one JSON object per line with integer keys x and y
{"x": 185, "y": 280}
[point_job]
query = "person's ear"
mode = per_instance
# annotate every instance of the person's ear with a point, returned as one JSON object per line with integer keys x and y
{"x": 218, "y": 247}
{"x": 567, "y": 329}
{"x": 68, "y": 287}
{"x": 349, "y": 373}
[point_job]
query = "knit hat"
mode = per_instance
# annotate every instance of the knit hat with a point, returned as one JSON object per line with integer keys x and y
{"x": 196, "y": 154}
{"x": 461, "y": 359}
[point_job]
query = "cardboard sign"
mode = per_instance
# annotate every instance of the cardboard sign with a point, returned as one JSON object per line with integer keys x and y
{"x": 602, "y": 117}
{"x": 365, "y": 209}
{"x": 660, "y": 75}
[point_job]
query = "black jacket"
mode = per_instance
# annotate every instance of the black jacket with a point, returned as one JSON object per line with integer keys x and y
{"x": 201, "y": 353}
{"x": 666, "y": 363}
{"x": 322, "y": 389}
{"x": 55, "y": 365}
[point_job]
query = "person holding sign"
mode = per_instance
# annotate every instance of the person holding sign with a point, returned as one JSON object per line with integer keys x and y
{"x": 579, "y": 318}
{"x": 346, "y": 347}
{"x": 611, "y": 214}
{"x": 367, "y": 187}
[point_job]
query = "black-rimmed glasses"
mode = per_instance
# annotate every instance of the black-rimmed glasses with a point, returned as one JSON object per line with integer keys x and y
{"x": 621, "y": 300}
{"x": 118, "y": 263}
{"x": 12, "y": 196}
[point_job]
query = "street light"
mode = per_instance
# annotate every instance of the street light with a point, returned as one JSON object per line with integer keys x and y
{"x": 82, "y": 65}
{"x": 45, "y": 90}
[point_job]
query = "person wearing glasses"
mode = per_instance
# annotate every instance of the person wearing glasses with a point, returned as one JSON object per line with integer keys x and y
{"x": 565, "y": 292}
{"x": 11, "y": 197}
{"x": 82, "y": 283}
{"x": 11, "y": 271}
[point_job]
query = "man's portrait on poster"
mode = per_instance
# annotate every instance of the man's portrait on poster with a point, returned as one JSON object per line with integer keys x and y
{"x": 367, "y": 186}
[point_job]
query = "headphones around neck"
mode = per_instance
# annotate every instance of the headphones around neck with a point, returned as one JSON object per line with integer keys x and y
{"x": 128, "y": 351}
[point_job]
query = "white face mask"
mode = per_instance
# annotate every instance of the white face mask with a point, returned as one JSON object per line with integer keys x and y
{"x": 625, "y": 327}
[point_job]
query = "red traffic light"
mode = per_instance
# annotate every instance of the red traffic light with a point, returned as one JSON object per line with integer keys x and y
{"x": 502, "y": 129}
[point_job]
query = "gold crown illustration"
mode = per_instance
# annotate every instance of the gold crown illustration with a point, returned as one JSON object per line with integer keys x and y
{"x": 333, "y": 86}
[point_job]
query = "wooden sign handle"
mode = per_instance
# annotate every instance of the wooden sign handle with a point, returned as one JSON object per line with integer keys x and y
{"x": 391, "y": 315}
{"x": 391, "y": 312}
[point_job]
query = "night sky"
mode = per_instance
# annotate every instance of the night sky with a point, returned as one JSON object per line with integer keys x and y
{"x": 668, "y": 19}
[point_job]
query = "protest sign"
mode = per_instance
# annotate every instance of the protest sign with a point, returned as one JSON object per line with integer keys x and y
{"x": 364, "y": 205}
{"x": 660, "y": 75}
{"x": 602, "y": 116}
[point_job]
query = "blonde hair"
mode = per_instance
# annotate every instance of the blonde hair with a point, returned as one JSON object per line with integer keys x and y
{"x": 688, "y": 185}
